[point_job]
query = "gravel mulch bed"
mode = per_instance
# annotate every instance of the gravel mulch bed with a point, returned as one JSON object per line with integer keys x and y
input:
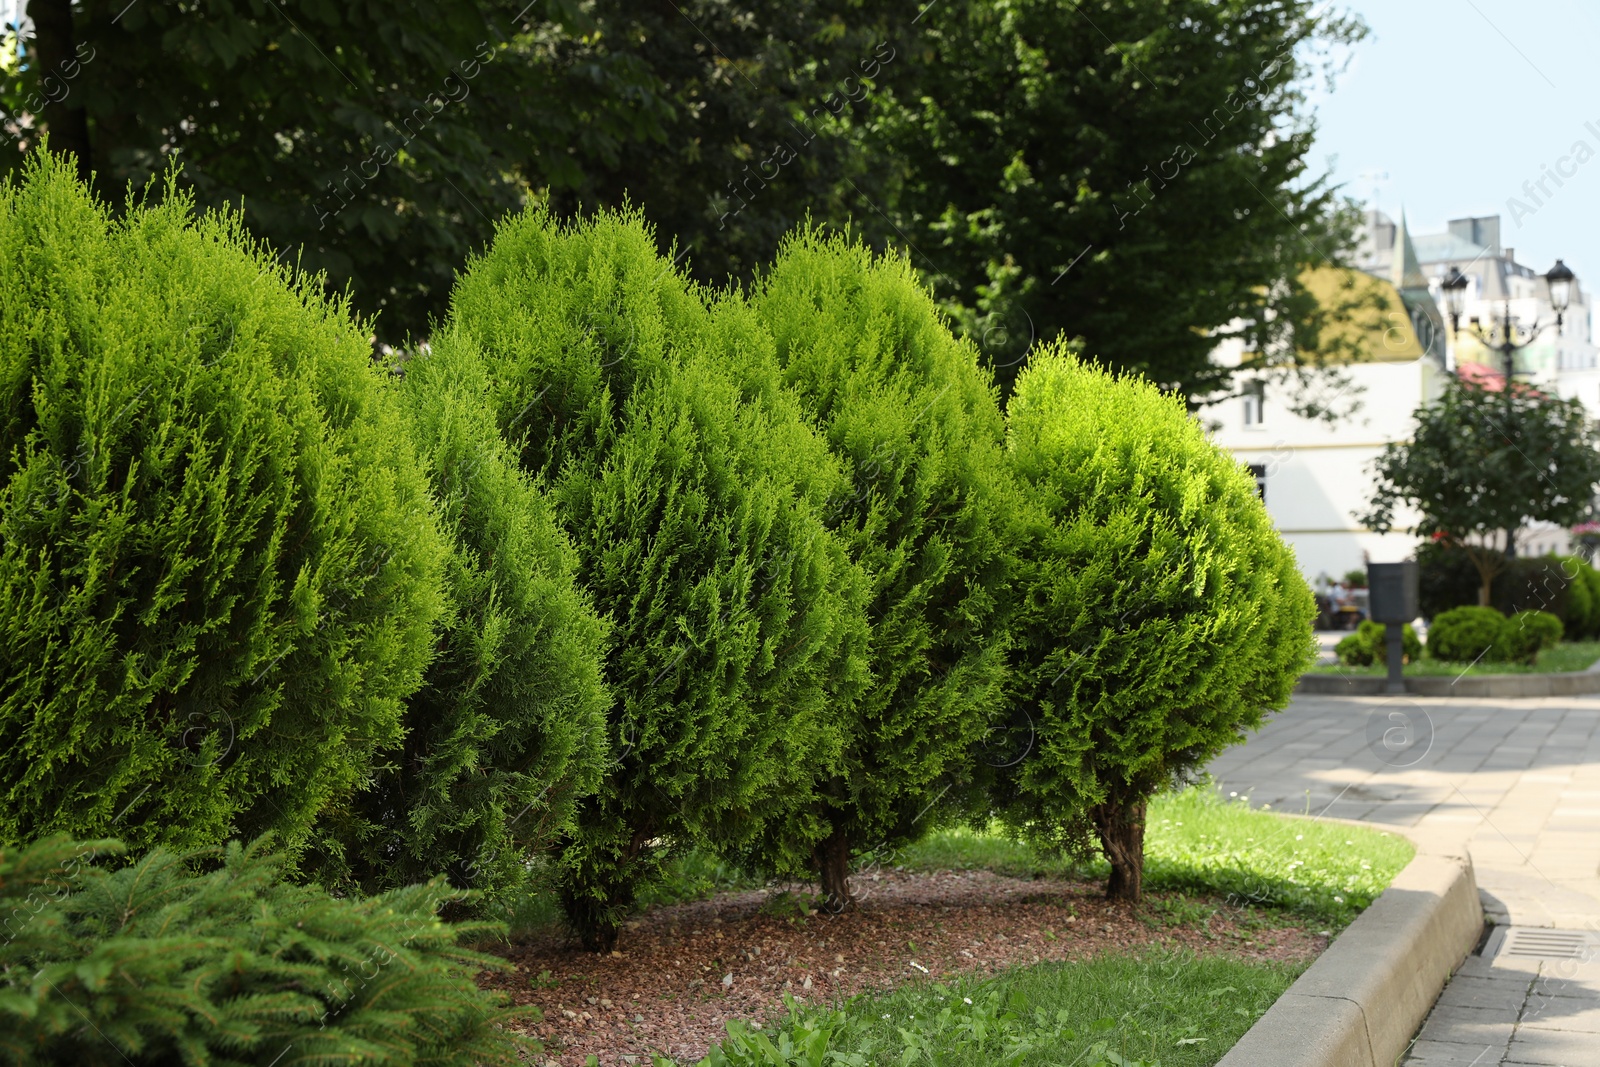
{"x": 682, "y": 972}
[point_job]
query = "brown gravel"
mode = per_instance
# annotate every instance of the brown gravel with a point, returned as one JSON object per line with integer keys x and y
{"x": 683, "y": 971}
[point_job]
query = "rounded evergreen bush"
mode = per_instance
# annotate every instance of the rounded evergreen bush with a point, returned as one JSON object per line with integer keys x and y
{"x": 1582, "y": 617}
{"x": 1527, "y": 633}
{"x": 1590, "y": 577}
{"x": 1369, "y": 645}
{"x": 1164, "y": 615}
{"x": 219, "y": 564}
{"x": 692, "y": 493}
{"x": 929, "y": 514}
{"x": 1465, "y": 635}
{"x": 508, "y": 729}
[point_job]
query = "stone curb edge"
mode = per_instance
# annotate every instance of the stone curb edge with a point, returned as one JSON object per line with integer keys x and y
{"x": 1361, "y": 1002}
{"x": 1563, "y": 684}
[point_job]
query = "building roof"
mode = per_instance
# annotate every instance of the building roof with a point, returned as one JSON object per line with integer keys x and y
{"x": 1366, "y": 320}
{"x": 1442, "y": 247}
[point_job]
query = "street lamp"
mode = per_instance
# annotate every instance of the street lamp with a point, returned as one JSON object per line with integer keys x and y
{"x": 1560, "y": 279}
{"x": 1455, "y": 296}
{"x": 1502, "y": 337}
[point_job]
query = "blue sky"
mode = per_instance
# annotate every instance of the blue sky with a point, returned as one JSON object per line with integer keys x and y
{"x": 1459, "y": 102}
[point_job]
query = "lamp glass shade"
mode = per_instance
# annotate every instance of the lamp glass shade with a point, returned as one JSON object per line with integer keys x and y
{"x": 1455, "y": 290}
{"x": 1560, "y": 279}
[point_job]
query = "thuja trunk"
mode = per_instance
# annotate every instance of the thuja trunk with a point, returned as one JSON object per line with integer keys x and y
{"x": 833, "y": 870}
{"x": 596, "y": 901}
{"x": 1120, "y": 827}
{"x": 595, "y": 921}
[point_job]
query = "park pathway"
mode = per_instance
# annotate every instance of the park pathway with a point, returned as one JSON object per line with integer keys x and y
{"x": 1520, "y": 780}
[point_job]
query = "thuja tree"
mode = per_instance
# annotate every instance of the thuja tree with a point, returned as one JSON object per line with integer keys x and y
{"x": 152, "y": 962}
{"x": 692, "y": 497}
{"x": 508, "y": 728}
{"x": 1163, "y": 614}
{"x": 219, "y": 562}
{"x": 927, "y": 515}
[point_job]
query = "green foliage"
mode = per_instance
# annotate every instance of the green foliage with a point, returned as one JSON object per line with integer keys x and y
{"x": 1157, "y": 1009}
{"x": 508, "y": 729}
{"x": 1369, "y": 645}
{"x": 929, "y": 515}
{"x": 1581, "y": 617}
{"x": 692, "y": 491}
{"x": 1132, "y": 173}
{"x": 1591, "y": 579}
{"x": 1526, "y": 634}
{"x": 219, "y": 563}
{"x": 1482, "y": 464}
{"x": 1465, "y": 635}
{"x": 380, "y": 140}
{"x": 1164, "y": 614}
{"x": 1356, "y": 579}
{"x": 154, "y": 963}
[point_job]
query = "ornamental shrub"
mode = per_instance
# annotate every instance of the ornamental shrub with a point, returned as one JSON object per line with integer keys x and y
{"x": 152, "y": 963}
{"x": 692, "y": 495}
{"x": 1163, "y": 614}
{"x": 1465, "y": 635}
{"x": 1579, "y": 619}
{"x": 219, "y": 564}
{"x": 1369, "y": 645}
{"x": 1527, "y": 633}
{"x": 929, "y": 515}
{"x": 508, "y": 729}
{"x": 1591, "y": 578}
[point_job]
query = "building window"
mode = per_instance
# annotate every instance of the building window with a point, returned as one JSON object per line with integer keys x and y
{"x": 1255, "y": 402}
{"x": 1259, "y": 472}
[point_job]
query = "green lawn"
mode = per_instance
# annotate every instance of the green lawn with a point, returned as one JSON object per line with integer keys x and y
{"x": 1157, "y": 1008}
{"x": 1567, "y": 656}
{"x": 1153, "y": 1009}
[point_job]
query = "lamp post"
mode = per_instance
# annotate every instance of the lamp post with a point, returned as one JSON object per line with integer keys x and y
{"x": 1502, "y": 337}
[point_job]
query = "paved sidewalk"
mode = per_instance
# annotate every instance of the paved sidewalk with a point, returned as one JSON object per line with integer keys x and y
{"x": 1520, "y": 779}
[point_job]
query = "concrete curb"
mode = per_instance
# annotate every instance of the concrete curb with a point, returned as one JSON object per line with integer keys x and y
{"x": 1363, "y": 999}
{"x": 1566, "y": 684}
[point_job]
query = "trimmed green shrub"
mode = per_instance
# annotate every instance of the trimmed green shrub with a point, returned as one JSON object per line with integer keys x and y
{"x": 693, "y": 498}
{"x": 1527, "y": 633}
{"x": 1369, "y": 645}
{"x": 1591, "y": 578}
{"x": 1465, "y": 635}
{"x": 151, "y": 963}
{"x": 508, "y": 729}
{"x": 219, "y": 564}
{"x": 1164, "y": 615}
{"x": 929, "y": 515}
{"x": 1580, "y": 618}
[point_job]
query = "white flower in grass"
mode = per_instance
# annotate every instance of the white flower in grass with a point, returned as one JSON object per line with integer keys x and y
{"x": 966, "y": 1000}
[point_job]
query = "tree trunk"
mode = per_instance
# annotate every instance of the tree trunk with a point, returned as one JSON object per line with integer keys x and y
{"x": 56, "y": 50}
{"x": 833, "y": 869}
{"x": 595, "y": 922}
{"x": 1120, "y": 827}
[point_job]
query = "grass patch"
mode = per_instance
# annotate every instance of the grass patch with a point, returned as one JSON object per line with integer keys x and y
{"x": 1567, "y": 656}
{"x": 1157, "y": 1008}
{"x": 1198, "y": 843}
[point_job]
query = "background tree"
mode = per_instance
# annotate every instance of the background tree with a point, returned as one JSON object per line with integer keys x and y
{"x": 1132, "y": 174}
{"x": 693, "y": 498}
{"x": 1481, "y": 465}
{"x": 376, "y": 142}
{"x": 929, "y": 517}
{"x": 1163, "y": 615}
